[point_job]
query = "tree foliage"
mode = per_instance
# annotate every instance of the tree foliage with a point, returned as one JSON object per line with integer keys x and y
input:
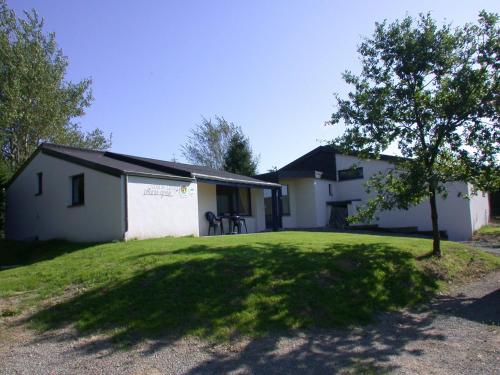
{"x": 433, "y": 90}
{"x": 209, "y": 143}
{"x": 239, "y": 157}
{"x": 37, "y": 104}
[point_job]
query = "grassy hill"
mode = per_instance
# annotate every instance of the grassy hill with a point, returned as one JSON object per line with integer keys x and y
{"x": 218, "y": 287}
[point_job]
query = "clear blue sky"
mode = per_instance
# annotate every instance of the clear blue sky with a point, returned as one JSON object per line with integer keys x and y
{"x": 269, "y": 66}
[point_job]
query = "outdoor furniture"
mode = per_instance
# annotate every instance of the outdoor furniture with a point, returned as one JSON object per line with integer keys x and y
{"x": 214, "y": 222}
{"x": 236, "y": 222}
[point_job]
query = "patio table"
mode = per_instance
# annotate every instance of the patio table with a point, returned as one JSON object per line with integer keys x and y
{"x": 232, "y": 220}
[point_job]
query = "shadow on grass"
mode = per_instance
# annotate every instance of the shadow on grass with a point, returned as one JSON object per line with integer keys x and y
{"x": 247, "y": 290}
{"x": 17, "y": 253}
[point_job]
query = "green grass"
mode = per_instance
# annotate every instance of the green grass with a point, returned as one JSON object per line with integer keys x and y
{"x": 220, "y": 287}
{"x": 489, "y": 229}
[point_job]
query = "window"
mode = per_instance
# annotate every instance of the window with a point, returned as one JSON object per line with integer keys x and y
{"x": 244, "y": 202}
{"x": 77, "y": 190}
{"x": 233, "y": 200}
{"x": 330, "y": 190}
{"x": 39, "y": 183}
{"x": 285, "y": 200}
{"x": 350, "y": 174}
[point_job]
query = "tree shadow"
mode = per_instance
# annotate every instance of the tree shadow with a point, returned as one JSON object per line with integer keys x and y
{"x": 368, "y": 350}
{"x": 16, "y": 253}
{"x": 303, "y": 310}
{"x": 252, "y": 290}
{"x": 485, "y": 310}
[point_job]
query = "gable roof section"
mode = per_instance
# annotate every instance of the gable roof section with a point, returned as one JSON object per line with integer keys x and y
{"x": 99, "y": 160}
{"x": 321, "y": 159}
{"x": 198, "y": 171}
{"x": 119, "y": 164}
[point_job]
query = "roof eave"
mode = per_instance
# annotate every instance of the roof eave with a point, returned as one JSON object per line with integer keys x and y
{"x": 160, "y": 176}
{"x": 63, "y": 156}
{"x": 235, "y": 181}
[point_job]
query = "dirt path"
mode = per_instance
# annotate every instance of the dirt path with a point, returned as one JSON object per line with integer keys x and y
{"x": 455, "y": 334}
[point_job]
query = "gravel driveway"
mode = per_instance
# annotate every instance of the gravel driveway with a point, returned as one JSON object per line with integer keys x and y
{"x": 454, "y": 334}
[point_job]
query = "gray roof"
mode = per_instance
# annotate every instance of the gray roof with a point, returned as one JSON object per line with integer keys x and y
{"x": 321, "y": 159}
{"x": 198, "y": 171}
{"x": 121, "y": 164}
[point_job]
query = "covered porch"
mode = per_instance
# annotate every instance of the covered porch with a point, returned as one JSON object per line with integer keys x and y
{"x": 236, "y": 200}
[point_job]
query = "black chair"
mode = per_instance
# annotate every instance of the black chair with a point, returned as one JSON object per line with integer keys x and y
{"x": 214, "y": 222}
{"x": 237, "y": 222}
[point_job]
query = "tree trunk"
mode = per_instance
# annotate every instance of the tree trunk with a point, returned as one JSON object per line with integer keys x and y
{"x": 436, "y": 239}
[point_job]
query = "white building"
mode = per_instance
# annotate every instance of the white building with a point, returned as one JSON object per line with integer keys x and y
{"x": 323, "y": 187}
{"x": 81, "y": 195}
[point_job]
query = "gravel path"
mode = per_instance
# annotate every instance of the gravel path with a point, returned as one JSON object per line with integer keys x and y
{"x": 455, "y": 334}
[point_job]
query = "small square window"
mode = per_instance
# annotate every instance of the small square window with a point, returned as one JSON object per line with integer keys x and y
{"x": 77, "y": 190}
{"x": 39, "y": 183}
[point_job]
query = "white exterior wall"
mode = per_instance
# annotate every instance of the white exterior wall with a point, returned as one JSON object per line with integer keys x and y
{"x": 257, "y": 222}
{"x": 308, "y": 196}
{"x": 160, "y": 207}
{"x": 455, "y": 213}
{"x": 305, "y": 195}
{"x": 322, "y": 196}
{"x": 303, "y": 204}
{"x": 207, "y": 201}
{"x": 48, "y": 216}
{"x": 355, "y": 189}
{"x": 479, "y": 209}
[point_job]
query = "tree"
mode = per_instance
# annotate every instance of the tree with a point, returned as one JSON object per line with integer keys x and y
{"x": 239, "y": 157}
{"x": 37, "y": 104}
{"x": 209, "y": 141}
{"x": 434, "y": 92}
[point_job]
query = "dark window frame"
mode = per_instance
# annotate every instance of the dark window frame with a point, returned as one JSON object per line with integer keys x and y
{"x": 81, "y": 197}
{"x": 283, "y": 213}
{"x": 39, "y": 182}
{"x": 234, "y": 200}
{"x": 330, "y": 190}
{"x": 351, "y": 174}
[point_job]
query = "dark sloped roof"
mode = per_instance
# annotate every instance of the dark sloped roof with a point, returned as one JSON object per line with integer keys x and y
{"x": 198, "y": 171}
{"x": 120, "y": 164}
{"x": 320, "y": 159}
{"x": 101, "y": 161}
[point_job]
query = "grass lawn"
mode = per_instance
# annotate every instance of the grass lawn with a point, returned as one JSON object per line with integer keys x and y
{"x": 489, "y": 235}
{"x": 490, "y": 229}
{"x": 218, "y": 287}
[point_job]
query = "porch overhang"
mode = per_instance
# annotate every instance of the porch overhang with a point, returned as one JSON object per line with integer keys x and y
{"x": 250, "y": 183}
{"x": 276, "y": 176}
{"x": 215, "y": 180}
